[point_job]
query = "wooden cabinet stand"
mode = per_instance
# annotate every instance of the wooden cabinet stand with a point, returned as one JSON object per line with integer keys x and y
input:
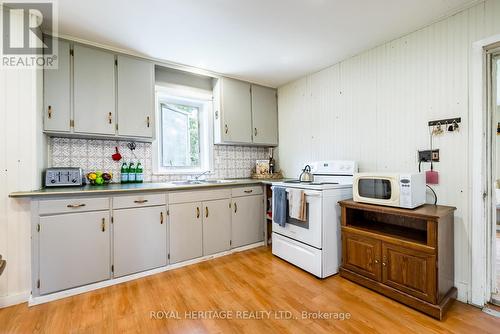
{"x": 406, "y": 255}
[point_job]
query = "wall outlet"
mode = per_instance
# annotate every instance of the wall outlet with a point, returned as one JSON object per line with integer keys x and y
{"x": 427, "y": 155}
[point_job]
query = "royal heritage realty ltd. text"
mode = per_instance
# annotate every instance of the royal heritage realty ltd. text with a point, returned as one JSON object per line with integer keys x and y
{"x": 246, "y": 315}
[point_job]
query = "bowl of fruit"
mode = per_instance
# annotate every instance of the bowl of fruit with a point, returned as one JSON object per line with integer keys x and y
{"x": 99, "y": 178}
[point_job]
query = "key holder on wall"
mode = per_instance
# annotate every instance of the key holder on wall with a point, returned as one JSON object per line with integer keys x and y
{"x": 441, "y": 125}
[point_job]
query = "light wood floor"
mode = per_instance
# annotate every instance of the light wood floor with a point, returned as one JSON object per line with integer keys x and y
{"x": 253, "y": 280}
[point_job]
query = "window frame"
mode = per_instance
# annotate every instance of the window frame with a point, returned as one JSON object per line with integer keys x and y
{"x": 189, "y": 96}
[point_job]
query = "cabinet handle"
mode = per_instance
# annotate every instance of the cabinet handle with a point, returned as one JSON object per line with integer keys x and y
{"x": 50, "y": 112}
{"x": 147, "y": 119}
{"x": 226, "y": 129}
{"x": 384, "y": 264}
{"x": 235, "y": 207}
{"x": 255, "y": 132}
{"x": 206, "y": 212}
{"x": 248, "y": 191}
{"x": 103, "y": 225}
{"x": 74, "y": 206}
{"x": 142, "y": 201}
{"x": 161, "y": 217}
{"x": 217, "y": 114}
{"x": 197, "y": 212}
{"x": 110, "y": 118}
{"x": 377, "y": 261}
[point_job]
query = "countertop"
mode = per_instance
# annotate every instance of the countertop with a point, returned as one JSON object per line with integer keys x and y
{"x": 116, "y": 188}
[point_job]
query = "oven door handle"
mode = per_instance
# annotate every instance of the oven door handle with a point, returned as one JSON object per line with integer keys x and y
{"x": 309, "y": 194}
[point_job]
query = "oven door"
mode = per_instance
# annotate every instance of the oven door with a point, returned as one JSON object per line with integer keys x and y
{"x": 309, "y": 231}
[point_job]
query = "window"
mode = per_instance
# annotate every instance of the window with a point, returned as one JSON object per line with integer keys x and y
{"x": 183, "y": 134}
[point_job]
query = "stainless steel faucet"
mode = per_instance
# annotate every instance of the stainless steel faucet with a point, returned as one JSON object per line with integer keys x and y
{"x": 200, "y": 175}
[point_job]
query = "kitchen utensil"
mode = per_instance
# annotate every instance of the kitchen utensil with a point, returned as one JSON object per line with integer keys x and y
{"x": 306, "y": 175}
{"x": 117, "y": 156}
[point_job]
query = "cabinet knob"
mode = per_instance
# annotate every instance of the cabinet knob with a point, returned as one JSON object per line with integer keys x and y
{"x": 206, "y": 211}
{"x": 384, "y": 264}
{"x": 377, "y": 261}
{"x": 110, "y": 118}
{"x": 235, "y": 207}
{"x": 161, "y": 217}
{"x": 255, "y": 132}
{"x": 226, "y": 129}
{"x": 49, "y": 111}
{"x": 147, "y": 120}
{"x": 197, "y": 212}
{"x": 103, "y": 225}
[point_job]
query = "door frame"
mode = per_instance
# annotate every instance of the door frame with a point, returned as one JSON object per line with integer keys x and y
{"x": 481, "y": 275}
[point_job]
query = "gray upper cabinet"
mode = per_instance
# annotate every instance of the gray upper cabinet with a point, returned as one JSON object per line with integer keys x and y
{"x": 264, "y": 115}
{"x": 233, "y": 112}
{"x": 57, "y": 92}
{"x": 74, "y": 250}
{"x": 135, "y": 79}
{"x": 216, "y": 226}
{"x": 94, "y": 91}
{"x": 139, "y": 239}
{"x": 244, "y": 113}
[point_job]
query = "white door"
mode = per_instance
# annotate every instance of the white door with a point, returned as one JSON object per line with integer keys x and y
{"x": 94, "y": 90}
{"x": 74, "y": 250}
{"x": 56, "y": 92}
{"x": 216, "y": 226}
{"x": 135, "y": 97}
{"x": 139, "y": 239}
{"x": 247, "y": 223}
{"x": 236, "y": 111}
{"x": 264, "y": 115}
{"x": 185, "y": 231}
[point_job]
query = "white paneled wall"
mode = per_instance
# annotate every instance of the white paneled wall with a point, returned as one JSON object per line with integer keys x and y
{"x": 374, "y": 108}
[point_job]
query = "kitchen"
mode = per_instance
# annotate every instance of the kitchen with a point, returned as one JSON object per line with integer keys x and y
{"x": 202, "y": 224}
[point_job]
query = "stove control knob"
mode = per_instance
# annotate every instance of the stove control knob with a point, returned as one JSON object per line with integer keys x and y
{"x": 74, "y": 180}
{"x": 52, "y": 181}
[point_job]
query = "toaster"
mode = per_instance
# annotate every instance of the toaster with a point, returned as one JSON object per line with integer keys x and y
{"x": 64, "y": 177}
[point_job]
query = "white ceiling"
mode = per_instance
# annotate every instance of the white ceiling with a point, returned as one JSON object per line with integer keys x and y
{"x": 265, "y": 41}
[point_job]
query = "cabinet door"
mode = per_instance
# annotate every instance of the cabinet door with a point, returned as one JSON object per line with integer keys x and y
{"x": 216, "y": 226}
{"x": 94, "y": 91}
{"x": 410, "y": 271}
{"x": 264, "y": 115}
{"x": 236, "y": 111}
{"x": 74, "y": 250}
{"x": 140, "y": 239}
{"x": 186, "y": 232}
{"x": 362, "y": 255}
{"x": 247, "y": 226}
{"x": 135, "y": 97}
{"x": 56, "y": 93}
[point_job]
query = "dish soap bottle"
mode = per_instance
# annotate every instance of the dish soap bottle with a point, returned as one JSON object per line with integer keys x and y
{"x": 131, "y": 173}
{"x": 139, "y": 173}
{"x": 124, "y": 173}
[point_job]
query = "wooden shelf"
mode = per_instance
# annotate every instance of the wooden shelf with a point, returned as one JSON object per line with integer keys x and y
{"x": 389, "y": 230}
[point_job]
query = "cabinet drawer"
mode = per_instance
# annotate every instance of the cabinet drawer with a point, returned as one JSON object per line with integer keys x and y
{"x": 198, "y": 196}
{"x": 246, "y": 191}
{"x": 131, "y": 201}
{"x": 73, "y": 205}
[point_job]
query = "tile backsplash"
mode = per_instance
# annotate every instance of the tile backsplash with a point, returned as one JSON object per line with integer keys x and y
{"x": 95, "y": 154}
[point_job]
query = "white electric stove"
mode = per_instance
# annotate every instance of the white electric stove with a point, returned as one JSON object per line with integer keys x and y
{"x": 315, "y": 245}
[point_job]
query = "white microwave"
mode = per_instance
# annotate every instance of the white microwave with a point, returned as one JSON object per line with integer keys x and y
{"x": 399, "y": 190}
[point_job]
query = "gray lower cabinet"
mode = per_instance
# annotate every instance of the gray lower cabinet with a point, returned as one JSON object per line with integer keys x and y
{"x": 186, "y": 231}
{"x": 74, "y": 250}
{"x": 216, "y": 226}
{"x": 247, "y": 225}
{"x": 139, "y": 239}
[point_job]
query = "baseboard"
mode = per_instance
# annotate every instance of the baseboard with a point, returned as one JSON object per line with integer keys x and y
{"x": 14, "y": 299}
{"x": 99, "y": 285}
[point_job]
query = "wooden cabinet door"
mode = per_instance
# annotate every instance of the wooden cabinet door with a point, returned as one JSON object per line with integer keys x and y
{"x": 362, "y": 255}
{"x": 264, "y": 115}
{"x": 56, "y": 92}
{"x": 94, "y": 91}
{"x": 236, "y": 111}
{"x": 140, "y": 239}
{"x": 216, "y": 226}
{"x": 247, "y": 226}
{"x": 409, "y": 271}
{"x": 74, "y": 250}
{"x": 135, "y": 97}
{"x": 186, "y": 231}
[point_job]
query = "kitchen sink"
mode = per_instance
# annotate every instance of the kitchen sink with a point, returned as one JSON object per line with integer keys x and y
{"x": 217, "y": 181}
{"x": 188, "y": 182}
